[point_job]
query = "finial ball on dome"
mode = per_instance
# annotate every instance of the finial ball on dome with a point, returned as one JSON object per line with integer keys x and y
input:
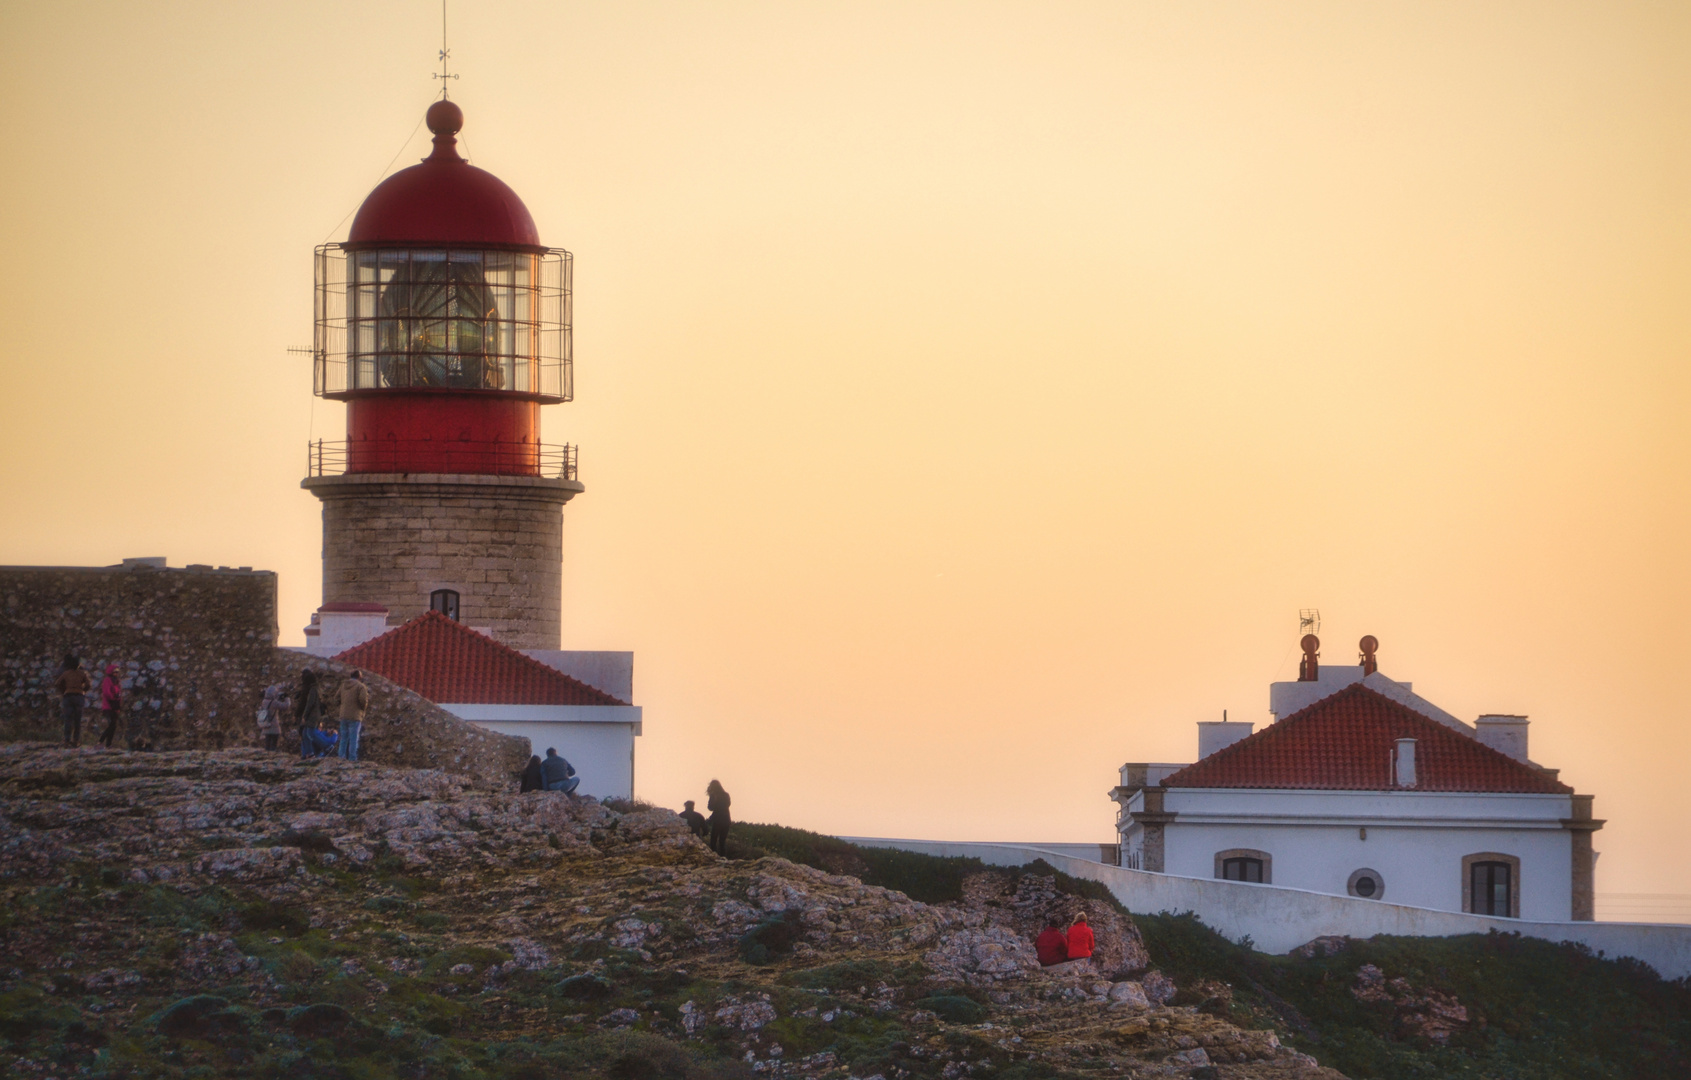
{"x": 445, "y": 118}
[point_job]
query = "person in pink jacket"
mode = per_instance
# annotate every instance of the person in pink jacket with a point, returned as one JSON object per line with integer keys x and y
{"x": 111, "y": 703}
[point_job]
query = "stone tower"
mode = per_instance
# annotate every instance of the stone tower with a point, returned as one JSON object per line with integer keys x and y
{"x": 444, "y": 324}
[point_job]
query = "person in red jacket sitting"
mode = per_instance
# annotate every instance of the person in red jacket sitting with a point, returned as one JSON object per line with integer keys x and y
{"x": 1080, "y": 938}
{"x": 1051, "y": 945}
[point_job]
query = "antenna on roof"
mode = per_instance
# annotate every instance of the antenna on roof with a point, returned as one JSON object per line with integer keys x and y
{"x": 1309, "y": 620}
{"x": 445, "y": 55}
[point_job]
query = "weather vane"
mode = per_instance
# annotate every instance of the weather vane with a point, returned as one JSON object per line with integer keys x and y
{"x": 445, "y": 54}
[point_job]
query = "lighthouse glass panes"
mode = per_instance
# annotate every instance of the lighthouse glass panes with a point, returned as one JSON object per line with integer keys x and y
{"x": 451, "y": 319}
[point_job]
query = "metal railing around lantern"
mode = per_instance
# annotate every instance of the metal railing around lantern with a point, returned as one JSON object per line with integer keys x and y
{"x": 547, "y": 460}
{"x": 406, "y": 318}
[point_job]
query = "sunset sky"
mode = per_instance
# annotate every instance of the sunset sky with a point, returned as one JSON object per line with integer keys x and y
{"x": 969, "y": 395}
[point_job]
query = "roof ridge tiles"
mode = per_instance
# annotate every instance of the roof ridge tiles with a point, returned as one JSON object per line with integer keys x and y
{"x": 1342, "y": 742}
{"x": 446, "y": 661}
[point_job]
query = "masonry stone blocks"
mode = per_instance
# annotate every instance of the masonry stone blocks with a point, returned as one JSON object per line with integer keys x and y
{"x": 498, "y": 541}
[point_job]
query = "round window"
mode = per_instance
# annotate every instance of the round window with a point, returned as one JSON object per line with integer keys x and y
{"x": 1366, "y": 883}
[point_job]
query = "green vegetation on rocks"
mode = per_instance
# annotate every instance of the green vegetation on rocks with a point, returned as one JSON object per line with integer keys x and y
{"x": 175, "y": 915}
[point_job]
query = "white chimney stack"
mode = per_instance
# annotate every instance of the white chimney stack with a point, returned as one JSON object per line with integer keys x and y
{"x": 1505, "y": 734}
{"x": 1403, "y": 763}
{"x": 1216, "y": 735}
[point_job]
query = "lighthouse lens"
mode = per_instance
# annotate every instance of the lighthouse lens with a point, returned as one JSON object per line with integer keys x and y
{"x": 448, "y": 319}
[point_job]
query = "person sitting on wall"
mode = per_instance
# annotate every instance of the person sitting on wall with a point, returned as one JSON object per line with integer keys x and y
{"x": 1080, "y": 938}
{"x": 320, "y": 741}
{"x": 1052, "y": 945}
{"x": 558, "y": 773}
{"x": 695, "y": 820}
{"x": 532, "y": 778}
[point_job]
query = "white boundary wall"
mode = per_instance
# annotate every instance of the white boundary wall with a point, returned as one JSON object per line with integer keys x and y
{"x": 1279, "y": 919}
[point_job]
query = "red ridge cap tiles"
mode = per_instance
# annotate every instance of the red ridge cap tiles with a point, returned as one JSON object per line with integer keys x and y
{"x": 1344, "y": 743}
{"x": 446, "y": 661}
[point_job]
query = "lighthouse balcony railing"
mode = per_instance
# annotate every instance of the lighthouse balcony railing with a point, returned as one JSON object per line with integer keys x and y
{"x": 324, "y": 458}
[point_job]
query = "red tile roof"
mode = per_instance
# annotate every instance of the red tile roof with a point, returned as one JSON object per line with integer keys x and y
{"x": 1344, "y": 743}
{"x": 446, "y": 661}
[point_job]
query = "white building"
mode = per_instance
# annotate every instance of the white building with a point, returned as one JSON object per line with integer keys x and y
{"x": 1360, "y": 786}
{"x": 575, "y": 702}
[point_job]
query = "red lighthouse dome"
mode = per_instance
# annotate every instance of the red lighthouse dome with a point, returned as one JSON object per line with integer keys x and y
{"x": 444, "y": 200}
{"x": 444, "y": 323}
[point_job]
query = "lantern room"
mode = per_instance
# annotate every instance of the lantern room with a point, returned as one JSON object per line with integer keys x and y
{"x": 444, "y": 325}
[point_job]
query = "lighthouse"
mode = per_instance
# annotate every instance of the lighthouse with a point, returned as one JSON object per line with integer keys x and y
{"x": 443, "y": 323}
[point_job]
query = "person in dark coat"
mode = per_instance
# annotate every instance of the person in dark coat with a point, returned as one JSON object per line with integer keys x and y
{"x": 719, "y": 819}
{"x": 308, "y": 710}
{"x": 1052, "y": 945}
{"x": 557, "y": 773}
{"x": 695, "y": 821}
{"x": 532, "y": 780}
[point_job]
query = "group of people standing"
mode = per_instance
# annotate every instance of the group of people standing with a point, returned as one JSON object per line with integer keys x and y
{"x": 319, "y": 734}
{"x": 713, "y": 830}
{"x": 1057, "y": 946}
{"x": 74, "y": 686}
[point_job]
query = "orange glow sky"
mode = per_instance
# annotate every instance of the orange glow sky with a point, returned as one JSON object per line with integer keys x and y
{"x": 969, "y": 394}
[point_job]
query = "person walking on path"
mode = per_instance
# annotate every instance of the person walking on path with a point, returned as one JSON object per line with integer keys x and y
{"x": 73, "y": 685}
{"x": 1080, "y": 938}
{"x": 695, "y": 820}
{"x": 308, "y": 710}
{"x": 355, "y": 700}
{"x": 111, "y": 703}
{"x": 558, "y": 774}
{"x": 270, "y": 714}
{"x": 532, "y": 778}
{"x": 718, "y": 804}
{"x": 1051, "y": 945}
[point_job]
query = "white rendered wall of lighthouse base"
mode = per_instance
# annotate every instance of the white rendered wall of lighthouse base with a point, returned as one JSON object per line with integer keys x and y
{"x": 1417, "y": 845}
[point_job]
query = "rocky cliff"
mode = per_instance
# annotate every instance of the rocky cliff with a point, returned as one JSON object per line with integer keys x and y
{"x": 233, "y": 912}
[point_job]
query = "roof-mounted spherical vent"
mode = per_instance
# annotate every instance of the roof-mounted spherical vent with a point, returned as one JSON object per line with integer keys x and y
{"x": 445, "y": 200}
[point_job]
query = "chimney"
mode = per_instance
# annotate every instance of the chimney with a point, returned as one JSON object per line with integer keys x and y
{"x": 1216, "y": 735}
{"x": 1403, "y": 763}
{"x": 340, "y": 626}
{"x": 1505, "y": 734}
{"x": 1369, "y": 646}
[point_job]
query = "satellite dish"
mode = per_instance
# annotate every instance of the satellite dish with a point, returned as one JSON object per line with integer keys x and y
{"x": 1369, "y": 645}
{"x": 1310, "y": 644}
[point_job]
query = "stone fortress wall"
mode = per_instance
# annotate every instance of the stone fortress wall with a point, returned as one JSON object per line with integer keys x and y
{"x": 197, "y": 647}
{"x": 497, "y": 541}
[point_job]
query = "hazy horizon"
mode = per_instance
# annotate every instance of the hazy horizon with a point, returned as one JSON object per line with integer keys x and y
{"x": 969, "y": 395}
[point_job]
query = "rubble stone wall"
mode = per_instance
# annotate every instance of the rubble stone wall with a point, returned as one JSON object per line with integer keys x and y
{"x": 404, "y": 728}
{"x": 195, "y": 647}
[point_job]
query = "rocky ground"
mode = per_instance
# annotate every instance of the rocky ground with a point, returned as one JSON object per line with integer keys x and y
{"x": 212, "y": 913}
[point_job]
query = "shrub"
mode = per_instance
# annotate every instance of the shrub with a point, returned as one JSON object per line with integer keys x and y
{"x": 318, "y": 1020}
{"x": 954, "y": 1008}
{"x": 774, "y": 936}
{"x": 585, "y": 988}
{"x": 199, "y": 1017}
